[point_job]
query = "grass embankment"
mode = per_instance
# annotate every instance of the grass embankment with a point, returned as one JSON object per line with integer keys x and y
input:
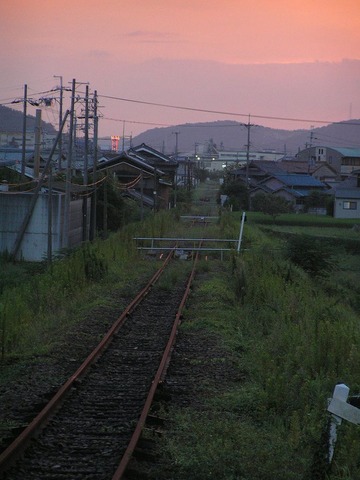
{"x": 295, "y": 337}
{"x": 37, "y": 304}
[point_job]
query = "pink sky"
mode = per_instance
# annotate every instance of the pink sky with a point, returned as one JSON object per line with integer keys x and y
{"x": 289, "y": 59}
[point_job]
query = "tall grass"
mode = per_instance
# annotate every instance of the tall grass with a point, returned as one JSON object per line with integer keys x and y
{"x": 31, "y": 310}
{"x": 294, "y": 342}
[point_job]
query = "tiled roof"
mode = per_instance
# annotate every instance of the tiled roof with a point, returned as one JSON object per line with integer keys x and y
{"x": 347, "y": 193}
{"x": 299, "y": 180}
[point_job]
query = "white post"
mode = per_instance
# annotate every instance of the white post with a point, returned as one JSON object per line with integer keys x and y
{"x": 341, "y": 393}
{"x": 243, "y": 216}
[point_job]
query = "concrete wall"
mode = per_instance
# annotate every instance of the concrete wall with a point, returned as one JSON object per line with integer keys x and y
{"x": 34, "y": 246}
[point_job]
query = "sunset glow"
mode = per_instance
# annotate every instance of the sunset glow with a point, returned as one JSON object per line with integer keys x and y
{"x": 187, "y": 52}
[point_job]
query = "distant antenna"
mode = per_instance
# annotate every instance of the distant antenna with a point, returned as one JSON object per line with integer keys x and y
{"x": 350, "y": 111}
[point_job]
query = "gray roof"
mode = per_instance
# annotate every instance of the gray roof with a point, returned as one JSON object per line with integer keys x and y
{"x": 348, "y": 152}
{"x": 347, "y": 193}
{"x": 298, "y": 180}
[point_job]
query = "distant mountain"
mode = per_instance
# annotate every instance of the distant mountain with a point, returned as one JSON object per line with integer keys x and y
{"x": 231, "y": 135}
{"x": 12, "y": 121}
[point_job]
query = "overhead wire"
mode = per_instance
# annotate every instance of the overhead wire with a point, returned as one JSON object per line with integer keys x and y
{"x": 193, "y": 109}
{"x": 201, "y": 110}
{"x": 219, "y": 112}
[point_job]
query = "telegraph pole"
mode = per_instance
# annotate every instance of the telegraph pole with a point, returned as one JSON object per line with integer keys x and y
{"x": 176, "y": 144}
{"x": 23, "y": 152}
{"x": 310, "y": 145}
{"x": 123, "y": 137}
{"x": 84, "y": 231}
{"x": 37, "y": 143}
{"x": 176, "y": 159}
{"x": 68, "y": 170}
{"x": 93, "y": 198}
{"x": 248, "y": 127}
{"x": 60, "y": 117}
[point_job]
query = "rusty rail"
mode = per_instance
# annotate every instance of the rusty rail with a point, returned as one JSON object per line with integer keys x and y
{"x": 17, "y": 446}
{"x": 159, "y": 375}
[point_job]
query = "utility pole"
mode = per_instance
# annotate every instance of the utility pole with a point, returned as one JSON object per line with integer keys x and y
{"x": 142, "y": 195}
{"x": 188, "y": 176}
{"x": 176, "y": 144}
{"x": 23, "y": 151}
{"x": 94, "y": 195}
{"x": 50, "y": 215}
{"x": 60, "y": 118}
{"x": 37, "y": 143}
{"x": 84, "y": 206}
{"x": 155, "y": 192}
{"x": 123, "y": 137}
{"x": 248, "y": 126}
{"x": 310, "y": 145}
{"x": 176, "y": 159}
{"x": 68, "y": 170}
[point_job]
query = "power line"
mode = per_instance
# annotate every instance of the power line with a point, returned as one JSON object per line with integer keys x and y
{"x": 193, "y": 109}
{"x": 139, "y": 123}
{"x": 219, "y": 112}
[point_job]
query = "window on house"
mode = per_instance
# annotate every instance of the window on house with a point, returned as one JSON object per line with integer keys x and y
{"x": 350, "y": 205}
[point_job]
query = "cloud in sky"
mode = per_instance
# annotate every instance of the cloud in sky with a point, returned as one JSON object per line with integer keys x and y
{"x": 272, "y": 57}
{"x": 146, "y": 36}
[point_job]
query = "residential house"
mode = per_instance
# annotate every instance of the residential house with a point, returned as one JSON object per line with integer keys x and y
{"x": 140, "y": 177}
{"x": 156, "y": 159}
{"x": 347, "y": 197}
{"x": 343, "y": 160}
{"x": 292, "y": 187}
{"x": 270, "y": 177}
{"x": 256, "y": 171}
{"x": 321, "y": 171}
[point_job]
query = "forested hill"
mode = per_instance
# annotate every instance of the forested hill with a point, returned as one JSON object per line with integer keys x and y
{"x": 12, "y": 121}
{"x": 230, "y": 135}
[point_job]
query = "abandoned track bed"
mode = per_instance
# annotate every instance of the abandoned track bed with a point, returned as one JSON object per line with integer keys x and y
{"x": 87, "y": 436}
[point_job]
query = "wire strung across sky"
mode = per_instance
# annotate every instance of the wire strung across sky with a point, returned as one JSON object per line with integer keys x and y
{"x": 219, "y": 112}
{"x": 192, "y": 109}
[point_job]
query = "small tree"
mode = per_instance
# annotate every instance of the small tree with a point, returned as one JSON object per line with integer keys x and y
{"x": 312, "y": 255}
{"x": 316, "y": 199}
{"x": 270, "y": 204}
{"x": 237, "y": 192}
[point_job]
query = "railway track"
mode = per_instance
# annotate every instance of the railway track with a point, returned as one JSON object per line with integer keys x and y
{"x": 90, "y": 428}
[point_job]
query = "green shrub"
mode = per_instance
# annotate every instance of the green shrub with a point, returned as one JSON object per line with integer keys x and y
{"x": 315, "y": 257}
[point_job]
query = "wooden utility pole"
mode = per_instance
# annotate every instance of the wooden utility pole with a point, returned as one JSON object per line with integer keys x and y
{"x": 176, "y": 159}
{"x": 94, "y": 195}
{"x": 37, "y": 143}
{"x": 248, "y": 126}
{"x": 50, "y": 216}
{"x": 85, "y": 203}
{"x": 68, "y": 170}
{"x": 23, "y": 151}
{"x": 105, "y": 225}
{"x": 60, "y": 118}
{"x": 142, "y": 195}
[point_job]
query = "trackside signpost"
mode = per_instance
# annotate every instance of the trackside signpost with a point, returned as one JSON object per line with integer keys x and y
{"x": 340, "y": 410}
{"x": 243, "y": 220}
